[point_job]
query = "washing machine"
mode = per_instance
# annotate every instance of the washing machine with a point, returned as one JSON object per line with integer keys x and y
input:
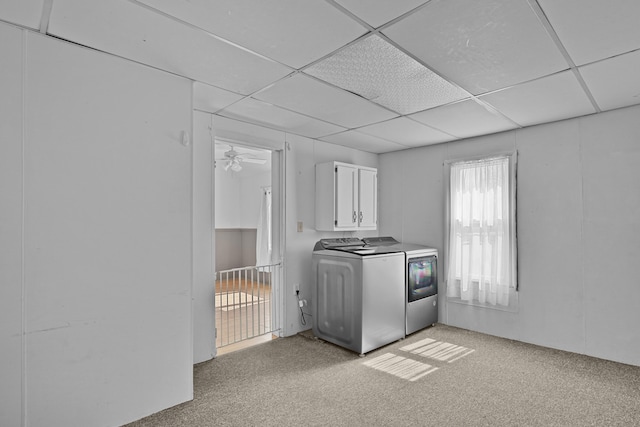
{"x": 358, "y": 296}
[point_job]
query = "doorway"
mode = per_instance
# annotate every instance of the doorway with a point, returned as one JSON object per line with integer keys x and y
{"x": 248, "y": 270}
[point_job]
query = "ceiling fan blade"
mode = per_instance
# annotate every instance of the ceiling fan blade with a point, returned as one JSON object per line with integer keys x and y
{"x": 251, "y": 160}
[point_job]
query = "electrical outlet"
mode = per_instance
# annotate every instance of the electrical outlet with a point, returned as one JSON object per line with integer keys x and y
{"x": 296, "y": 288}
{"x": 300, "y": 227}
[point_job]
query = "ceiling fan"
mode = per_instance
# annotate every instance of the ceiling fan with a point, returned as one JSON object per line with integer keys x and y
{"x": 233, "y": 160}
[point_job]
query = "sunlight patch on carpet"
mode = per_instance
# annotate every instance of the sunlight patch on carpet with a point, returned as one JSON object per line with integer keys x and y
{"x": 233, "y": 300}
{"x": 400, "y": 366}
{"x": 442, "y": 351}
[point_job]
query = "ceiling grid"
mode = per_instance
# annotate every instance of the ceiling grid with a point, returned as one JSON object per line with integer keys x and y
{"x": 377, "y": 76}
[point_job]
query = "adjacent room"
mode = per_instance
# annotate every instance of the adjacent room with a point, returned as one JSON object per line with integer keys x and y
{"x": 389, "y": 198}
{"x": 243, "y": 246}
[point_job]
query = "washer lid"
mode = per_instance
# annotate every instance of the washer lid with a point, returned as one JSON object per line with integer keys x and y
{"x": 380, "y": 241}
{"x": 343, "y": 242}
{"x": 370, "y": 250}
{"x": 390, "y": 242}
{"x": 353, "y": 245}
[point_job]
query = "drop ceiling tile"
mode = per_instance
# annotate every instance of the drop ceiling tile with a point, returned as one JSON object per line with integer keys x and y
{"x": 381, "y": 12}
{"x": 482, "y": 45}
{"x": 464, "y": 119}
{"x": 22, "y": 12}
{"x": 309, "y": 96}
{"x": 380, "y": 72}
{"x": 211, "y": 99}
{"x": 614, "y": 83}
{"x": 292, "y": 32}
{"x": 363, "y": 142}
{"x": 591, "y": 30}
{"x": 406, "y": 132}
{"x": 548, "y": 99}
{"x": 132, "y": 31}
{"x": 268, "y": 115}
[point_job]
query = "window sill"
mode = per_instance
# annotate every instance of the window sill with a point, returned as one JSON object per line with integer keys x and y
{"x": 511, "y": 308}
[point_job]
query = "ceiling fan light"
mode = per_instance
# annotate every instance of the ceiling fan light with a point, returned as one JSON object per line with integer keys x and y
{"x": 236, "y": 167}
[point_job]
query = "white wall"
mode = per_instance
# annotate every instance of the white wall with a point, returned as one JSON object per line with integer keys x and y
{"x": 578, "y": 204}
{"x": 11, "y": 198}
{"x": 96, "y": 296}
{"x": 238, "y": 197}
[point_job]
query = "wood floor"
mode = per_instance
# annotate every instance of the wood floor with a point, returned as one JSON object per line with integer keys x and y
{"x": 243, "y": 309}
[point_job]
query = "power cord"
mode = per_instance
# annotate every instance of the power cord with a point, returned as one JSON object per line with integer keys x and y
{"x": 302, "y": 319}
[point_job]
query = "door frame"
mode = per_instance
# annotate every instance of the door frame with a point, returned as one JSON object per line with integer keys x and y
{"x": 278, "y": 183}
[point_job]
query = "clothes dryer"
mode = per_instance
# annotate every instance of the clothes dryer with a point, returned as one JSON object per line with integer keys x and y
{"x": 421, "y": 282}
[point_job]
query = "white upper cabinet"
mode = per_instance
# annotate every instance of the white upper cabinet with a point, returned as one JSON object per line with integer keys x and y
{"x": 346, "y": 197}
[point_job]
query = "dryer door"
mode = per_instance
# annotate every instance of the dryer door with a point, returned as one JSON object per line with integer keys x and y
{"x": 422, "y": 277}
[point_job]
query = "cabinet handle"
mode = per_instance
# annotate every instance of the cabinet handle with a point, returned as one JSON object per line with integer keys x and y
{"x": 360, "y": 218}
{"x": 354, "y": 217}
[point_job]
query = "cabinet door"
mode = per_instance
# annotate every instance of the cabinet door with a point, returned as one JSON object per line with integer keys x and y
{"x": 346, "y": 196}
{"x": 367, "y": 198}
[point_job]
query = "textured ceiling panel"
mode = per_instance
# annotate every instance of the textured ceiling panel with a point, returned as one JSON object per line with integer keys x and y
{"x": 379, "y": 12}
{"x": 277, "y": 118}
{"x": 482, "y": 45}
{"x": 379, "y": 72}
{"x": 591, "y": 30}
{"x": 315, "y": 98}
{"x": 548, "y": 99}
{"x": 614, "y": 83}
{"x": 406, "y": 132}
{"x": 132, "y": 31}
{"x": 464, "y": 119}
{"x": 292, "y": 32}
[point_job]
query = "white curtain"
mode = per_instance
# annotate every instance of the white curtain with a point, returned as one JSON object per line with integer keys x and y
{"x": 479, "y": 236}
{"x": 263, "y": 238}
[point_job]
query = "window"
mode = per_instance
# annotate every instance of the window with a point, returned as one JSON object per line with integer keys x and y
{"x": 481, "y": 244}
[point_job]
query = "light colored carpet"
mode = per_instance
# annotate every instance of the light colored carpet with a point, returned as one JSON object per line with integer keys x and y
{"x": 441, "y": 376}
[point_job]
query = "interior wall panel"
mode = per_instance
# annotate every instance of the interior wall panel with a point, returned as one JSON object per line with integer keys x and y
{"x": 11, "y": 120}
{"x": 107, "y": 237}
{"x": 611, "y": 154}
{"x": 550, "y": 235}
{"x": 390, "y": 183}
